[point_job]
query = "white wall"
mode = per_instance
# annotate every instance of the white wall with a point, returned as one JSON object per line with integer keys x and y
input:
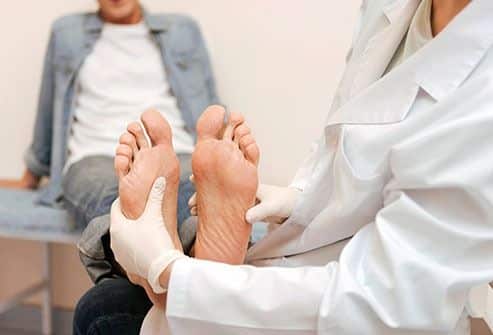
{"x": 276, "y": 61}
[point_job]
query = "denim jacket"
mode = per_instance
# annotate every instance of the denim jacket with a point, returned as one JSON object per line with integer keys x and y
{"x": 72, "y": 39}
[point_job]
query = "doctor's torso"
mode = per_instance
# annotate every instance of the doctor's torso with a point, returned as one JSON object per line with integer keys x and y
{"x": 373, "y": 116}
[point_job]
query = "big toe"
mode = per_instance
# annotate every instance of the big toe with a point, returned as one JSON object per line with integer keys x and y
{"x": 211, "y": 122}
{"x": 157, "y": 128}
{"x": 214, "y": 123}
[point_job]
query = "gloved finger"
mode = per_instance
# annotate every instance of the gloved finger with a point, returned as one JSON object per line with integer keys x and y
{"x": 121, "y": 251}
{"x": 258, "y": 213}
{"x": 155, "y": 199}
{"x": 193, "y": 211}
{"x": 192, "y": 202}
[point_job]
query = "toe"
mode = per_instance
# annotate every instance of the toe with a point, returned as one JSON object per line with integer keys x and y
{"x": 192, "y": 202}
{"x": 211, "y": 123}
{"x": 122, "y": 165}
{"x": 235, "y": 120}
{"x": 241, "y": 131}
{"x": 129, "y": 140}
{"x": 250, "y": 149}
{"x": 137, "y": 131}
{"x": 124, "y": 150}
{"x": 157, "y": 127}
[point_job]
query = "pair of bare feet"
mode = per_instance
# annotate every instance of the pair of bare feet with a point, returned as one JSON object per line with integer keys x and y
{"x": 224, "y": 165}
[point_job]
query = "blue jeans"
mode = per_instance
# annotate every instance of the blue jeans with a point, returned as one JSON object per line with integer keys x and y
{"x": 114, "y": 306}
{"x": 90, "y": 186}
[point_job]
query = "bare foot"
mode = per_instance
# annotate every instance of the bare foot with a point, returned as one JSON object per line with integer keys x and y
{"x": 138, "y": 164}
{"x": 224, "y": 165}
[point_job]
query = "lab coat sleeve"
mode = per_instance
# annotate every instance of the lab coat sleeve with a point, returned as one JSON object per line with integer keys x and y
{"x": 408, "y": 272}
{"x": 213, "y": 298}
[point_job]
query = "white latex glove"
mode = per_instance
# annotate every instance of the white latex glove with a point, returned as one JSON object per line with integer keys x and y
{"x": 192, "y": 202}
{"x": 143, "y": 246}
{"x": 276, "y": 204}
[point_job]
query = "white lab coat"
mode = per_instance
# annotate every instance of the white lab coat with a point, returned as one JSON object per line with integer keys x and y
{"x": 405, "y": 166}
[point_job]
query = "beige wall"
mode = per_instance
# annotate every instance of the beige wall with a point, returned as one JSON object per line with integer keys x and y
{"x": 277, "y": 61}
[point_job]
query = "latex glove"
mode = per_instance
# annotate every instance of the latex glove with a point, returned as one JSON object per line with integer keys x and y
{"x": 143, "y": 247}
{"x": 276, "y": 204}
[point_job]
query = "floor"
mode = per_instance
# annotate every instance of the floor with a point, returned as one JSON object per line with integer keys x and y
{"x": 26, "y": 320}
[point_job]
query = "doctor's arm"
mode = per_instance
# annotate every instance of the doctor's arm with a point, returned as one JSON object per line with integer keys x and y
{"x": 409, "y": 271}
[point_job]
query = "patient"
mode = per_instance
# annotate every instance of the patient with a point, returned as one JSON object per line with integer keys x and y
{"x": 101, "y": 71}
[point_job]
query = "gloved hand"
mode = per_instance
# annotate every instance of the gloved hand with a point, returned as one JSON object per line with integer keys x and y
{"x": 276, "y": 204}
{"x": 143, "y": 247}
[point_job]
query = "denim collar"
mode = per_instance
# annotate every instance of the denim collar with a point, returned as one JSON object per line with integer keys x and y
{"x": 155, "y": 23}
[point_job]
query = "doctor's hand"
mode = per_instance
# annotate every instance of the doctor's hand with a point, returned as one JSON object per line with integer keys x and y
{"x": 143, "y": 247}
{"x": 275, "y": 204}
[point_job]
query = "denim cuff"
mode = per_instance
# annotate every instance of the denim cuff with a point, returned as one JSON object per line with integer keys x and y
{"x": 34, "y": 165}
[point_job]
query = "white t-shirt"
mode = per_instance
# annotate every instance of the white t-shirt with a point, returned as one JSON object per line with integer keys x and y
{"x": 121, "y": 78}
{"x": 418, "y": 35}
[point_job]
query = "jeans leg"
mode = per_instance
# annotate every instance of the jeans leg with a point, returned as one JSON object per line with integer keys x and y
{"x": 114, "y": 306}
{"x": 89, "y": 188}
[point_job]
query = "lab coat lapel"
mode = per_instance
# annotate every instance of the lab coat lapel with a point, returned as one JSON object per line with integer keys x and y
{"x": 438, "y": 68}
{"x": 392, "y": 24}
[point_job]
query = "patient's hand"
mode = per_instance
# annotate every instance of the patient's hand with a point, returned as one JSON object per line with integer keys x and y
{"x": 28, "y": 181}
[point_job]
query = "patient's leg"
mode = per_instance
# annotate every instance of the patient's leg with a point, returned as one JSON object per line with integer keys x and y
{"x": 224, "y": 165}
{"x": 139, "y": 163}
